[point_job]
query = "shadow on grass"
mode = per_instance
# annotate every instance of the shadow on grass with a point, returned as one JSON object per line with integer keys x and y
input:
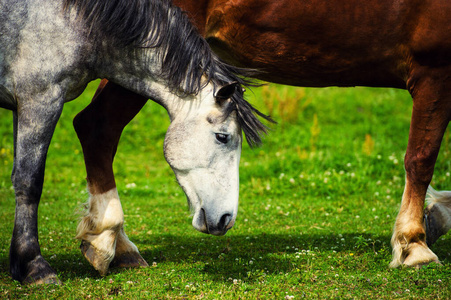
{"x": 240, "y": 256}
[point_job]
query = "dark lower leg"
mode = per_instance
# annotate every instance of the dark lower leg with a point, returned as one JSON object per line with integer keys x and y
{"x": 99, "y": 127}
{"x": 26, "y": 262}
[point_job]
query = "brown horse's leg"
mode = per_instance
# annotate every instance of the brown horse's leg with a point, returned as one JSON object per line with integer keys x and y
{"x": 430, "y": 117}
{"x": 99, "y": 127}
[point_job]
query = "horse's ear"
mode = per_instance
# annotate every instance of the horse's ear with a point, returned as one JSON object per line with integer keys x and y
{"x": 226, "y": 91}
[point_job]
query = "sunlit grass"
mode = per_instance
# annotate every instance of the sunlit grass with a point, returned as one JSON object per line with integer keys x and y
{"x": 317, "y": 205}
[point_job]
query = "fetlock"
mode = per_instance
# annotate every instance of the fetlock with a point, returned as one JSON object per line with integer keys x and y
{"x": 99, "y": 228}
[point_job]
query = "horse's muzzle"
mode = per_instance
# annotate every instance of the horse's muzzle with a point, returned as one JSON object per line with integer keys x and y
{"x": 203, "y": 223}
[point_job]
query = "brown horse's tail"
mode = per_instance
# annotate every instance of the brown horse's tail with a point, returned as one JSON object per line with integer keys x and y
{"x": 437, "y": 215}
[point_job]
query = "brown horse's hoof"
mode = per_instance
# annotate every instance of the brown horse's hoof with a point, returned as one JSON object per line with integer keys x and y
{"x": 100, "y": 260}
{"x": 129, "y": 260}
{"x": 419, "y": 255}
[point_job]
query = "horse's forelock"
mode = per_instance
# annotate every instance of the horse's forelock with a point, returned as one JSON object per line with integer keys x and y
{"x": 248, "y": 118}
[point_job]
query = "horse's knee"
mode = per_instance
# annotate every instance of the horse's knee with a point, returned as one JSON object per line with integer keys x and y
{"x": 420, "y": 167}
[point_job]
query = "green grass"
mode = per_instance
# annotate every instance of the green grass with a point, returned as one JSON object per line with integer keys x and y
{"x": 317, "y": 205}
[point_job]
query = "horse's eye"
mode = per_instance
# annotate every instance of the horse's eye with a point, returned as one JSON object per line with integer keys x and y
{"x": 222, "y": 138}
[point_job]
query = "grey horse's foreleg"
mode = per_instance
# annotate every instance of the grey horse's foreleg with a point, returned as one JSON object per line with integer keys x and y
{"x": 33, "y": 129}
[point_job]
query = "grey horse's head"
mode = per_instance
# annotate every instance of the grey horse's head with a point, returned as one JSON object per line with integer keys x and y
{"x": 203, "y": 147}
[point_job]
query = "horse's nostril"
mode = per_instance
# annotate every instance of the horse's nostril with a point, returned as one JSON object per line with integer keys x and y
{"x": 224, "y": 221}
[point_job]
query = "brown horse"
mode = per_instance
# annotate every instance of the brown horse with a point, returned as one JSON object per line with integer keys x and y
{"x": 318, "y": 43}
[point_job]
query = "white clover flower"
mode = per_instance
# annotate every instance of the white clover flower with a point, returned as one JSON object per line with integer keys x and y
{"x": 131, "y": 185}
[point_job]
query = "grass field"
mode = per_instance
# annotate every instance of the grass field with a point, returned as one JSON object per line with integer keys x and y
{"x": 317, "y": 205}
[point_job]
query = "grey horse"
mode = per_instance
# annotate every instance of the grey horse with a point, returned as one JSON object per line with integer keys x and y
{"x": 50, "y": 50}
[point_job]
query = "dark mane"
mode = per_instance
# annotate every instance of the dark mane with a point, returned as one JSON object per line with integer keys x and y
{"x": 185, "y": 54}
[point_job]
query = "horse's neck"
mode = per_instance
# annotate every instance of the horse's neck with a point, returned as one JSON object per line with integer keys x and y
{"x": 132, "y": 68}
{"x": 136, "y": 69}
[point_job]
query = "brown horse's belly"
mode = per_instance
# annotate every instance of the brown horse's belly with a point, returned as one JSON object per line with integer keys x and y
{"x": 306, "y": 45}
{"x": 288, "y": 67}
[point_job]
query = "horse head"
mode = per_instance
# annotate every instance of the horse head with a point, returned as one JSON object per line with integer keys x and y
{"x": 203, "y": 148}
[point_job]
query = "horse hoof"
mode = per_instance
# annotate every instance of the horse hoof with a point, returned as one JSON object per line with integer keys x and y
{"x": 419, "y": 256}
{"x": 129, "y": 260}
{"x": 40, "y": 272}
{"x": 51, "y": 279}
{"x": 100, "y": 260}
{"x": 421, "y": 265}
{"x": 433, "y": 221}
